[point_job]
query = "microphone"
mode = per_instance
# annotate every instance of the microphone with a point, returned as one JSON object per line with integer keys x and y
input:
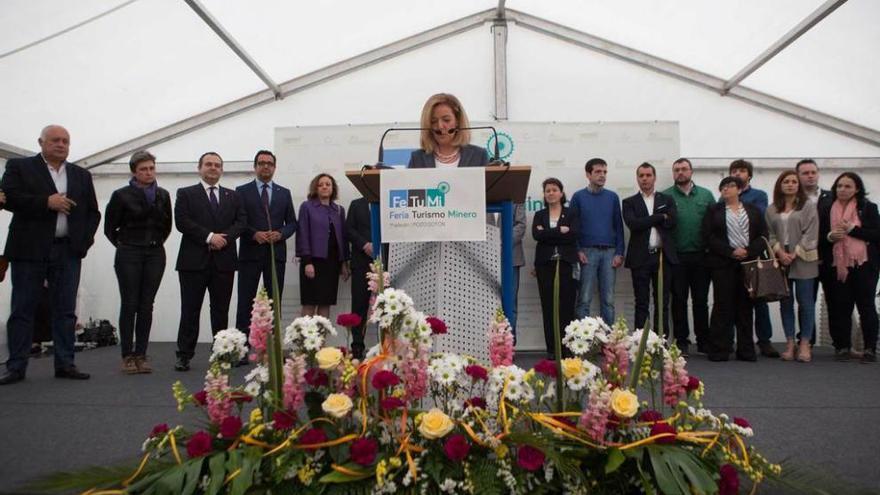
{"x": 439, "y": 132}
{"x": 382, "y": 140}
{"x": 497, "y": 158}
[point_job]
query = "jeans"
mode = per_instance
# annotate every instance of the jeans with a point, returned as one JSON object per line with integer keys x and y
{"x": 61, "y": 271}
{"x": 597, "y": 273}
{"x": 802, "y": 289}
{"x": 763, "y": 328}
{"x": 139, "y": 271}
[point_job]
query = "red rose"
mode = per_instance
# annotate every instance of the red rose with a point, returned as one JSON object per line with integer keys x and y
{"x": 693, "y": 384}
{"x": 476, "y": 402}
{"x": 741, "y": 422}
{"x": 660, "y": 428}
{"x": 476, "y": 372}
{"x": 348, "y": 320}
{"x": 283, "y": 420}
{"x": 199, "y": 444}
{"x": 438, "y": 327}
{"x": 390, "y": 403}
{"x": 201, "y": 397}
{"x": 240, "y": 397}
{"x": 159, "y": 429}
{"x": 363, "y": 451}
{"x": 546, "y": 367}
{"x": 316, "y": 377}
{"x": 728, "y": 484}
{"x": 456, "y": 448}
{"x": 384, "y": 379}
{"x": 230, "y": 426}
{"x": 650, "y": 416}
{"x": 313, "y": 436}
{"x": 529, "y": 458}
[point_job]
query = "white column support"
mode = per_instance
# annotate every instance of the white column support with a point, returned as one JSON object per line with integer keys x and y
{"x": 499, "y": 37}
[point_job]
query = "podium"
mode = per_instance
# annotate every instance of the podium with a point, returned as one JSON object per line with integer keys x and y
{"x": 505, "y": 185}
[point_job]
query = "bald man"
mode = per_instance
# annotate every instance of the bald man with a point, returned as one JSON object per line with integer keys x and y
{"x": 54, "y": 219}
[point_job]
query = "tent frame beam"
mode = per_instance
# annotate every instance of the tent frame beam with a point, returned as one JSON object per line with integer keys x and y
{"x": 796, "y": 32}
{"x": 11, "y": 151}
{"x": 292, "y": 86}
{"x": 499, "y": 37}
{"x": 227, "y": 38}
{"x": 687, "y": 74}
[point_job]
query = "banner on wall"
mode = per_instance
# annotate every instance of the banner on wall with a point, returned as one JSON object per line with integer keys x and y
{"x": 433, "y": 204}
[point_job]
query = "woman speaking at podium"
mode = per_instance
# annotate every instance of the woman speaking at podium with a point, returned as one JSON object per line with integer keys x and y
{"x": 456, "y": 281}
{"x": 445, "y": 140}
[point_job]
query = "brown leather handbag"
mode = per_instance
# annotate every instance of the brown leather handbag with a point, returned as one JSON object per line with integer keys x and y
{"x": 765, "y": 278}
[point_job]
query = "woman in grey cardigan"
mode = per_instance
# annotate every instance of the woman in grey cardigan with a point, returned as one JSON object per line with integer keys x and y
{"x": 794, "y": 235}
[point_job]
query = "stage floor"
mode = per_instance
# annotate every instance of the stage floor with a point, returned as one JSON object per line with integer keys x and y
{"x": 823, "y": 414}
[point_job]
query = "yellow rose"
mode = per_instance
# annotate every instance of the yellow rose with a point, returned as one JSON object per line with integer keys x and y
{"x": 328, "y": 358}
{"x": 572, "y": 367}
{"x": 337, "y": 405}
{"x": 624, "y": 403}
{"x": 435, "y": 424}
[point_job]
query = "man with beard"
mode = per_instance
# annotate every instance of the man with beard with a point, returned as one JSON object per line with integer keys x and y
{"x": 689, "y": 275}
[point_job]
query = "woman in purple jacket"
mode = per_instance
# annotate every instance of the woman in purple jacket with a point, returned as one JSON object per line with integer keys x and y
{"x": 321, "y": 247}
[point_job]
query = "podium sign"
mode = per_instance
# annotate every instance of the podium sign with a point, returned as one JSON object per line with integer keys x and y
{"x": 433, "y": 204}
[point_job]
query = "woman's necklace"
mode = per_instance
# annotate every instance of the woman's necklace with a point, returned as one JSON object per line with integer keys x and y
{"x": 446, "y": 158}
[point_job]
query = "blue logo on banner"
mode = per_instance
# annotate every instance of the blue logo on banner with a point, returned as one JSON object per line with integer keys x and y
{"x": 419, "y": 198}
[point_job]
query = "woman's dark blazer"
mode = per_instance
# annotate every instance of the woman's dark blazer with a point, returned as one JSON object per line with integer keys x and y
{"x": 565, "y": 244}
{"x": 130, "y": 219}
{"x": 471, "y": 156}
{"x": 719, "y": 254}
{"x": 868, "y": 232}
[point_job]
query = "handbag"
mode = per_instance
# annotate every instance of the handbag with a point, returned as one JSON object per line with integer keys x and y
{"x": 765, "y": 278}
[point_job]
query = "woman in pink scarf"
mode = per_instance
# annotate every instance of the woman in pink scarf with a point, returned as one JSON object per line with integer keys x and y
{"x": 849, "y": 233}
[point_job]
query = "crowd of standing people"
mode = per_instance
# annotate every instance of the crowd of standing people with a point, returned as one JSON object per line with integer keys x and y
{"x": 682, "y": 236}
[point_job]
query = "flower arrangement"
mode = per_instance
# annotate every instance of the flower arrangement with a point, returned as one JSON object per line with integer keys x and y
{"x": 406, "y": 420}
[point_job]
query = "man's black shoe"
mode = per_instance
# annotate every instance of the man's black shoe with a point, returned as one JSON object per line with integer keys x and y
{"x": 182, "y": 364}
{"x": 71, "y": 373}
{"x": 841, "y": 355}
{"x": 869, "y": 357}
{"x": 11, "y": 377}
{"x": 767, "y": 350}
{"x": 751, "y": 358}
{"x": 719, "y": 357}
{"x": 702, "y": 348}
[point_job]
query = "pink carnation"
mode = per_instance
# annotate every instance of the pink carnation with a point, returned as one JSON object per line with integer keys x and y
{"x": 547, "y": 367}
{"x": 230, "y": 427}
{"x": 348, "y": 320}
{"x": 438, "y": 326}
{"x": 199, "y": 444}
{"x": 661, "y": 428}
{"x": 384, "y": 379}
{"x": 529, "y": 458}
{"x": 159, "y": 429}
{"x": 476, "y": 372}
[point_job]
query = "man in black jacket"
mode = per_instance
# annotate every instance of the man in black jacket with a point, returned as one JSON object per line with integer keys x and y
{"x": 650, "y": 217}
{"x": 54, "y": 219}
{"x": 210, "y": 217}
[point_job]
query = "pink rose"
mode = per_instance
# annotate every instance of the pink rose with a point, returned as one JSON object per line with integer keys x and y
{"x": 199, "y": 444}
{"x": 438, "y": 326}
{"x": 384, "y": 379}
{"x": 456, "y": 448}
{"x": 363, "y": 451}
{"x": 230, "y": 426}
{"x": 529, "y": 458}
{"x": 546, "y": 367}
{"x": 476, "y": 372}
{"x": 348, "y": 320}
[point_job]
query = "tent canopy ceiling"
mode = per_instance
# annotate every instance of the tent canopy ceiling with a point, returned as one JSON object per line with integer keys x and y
{"x": 121, "y": 69}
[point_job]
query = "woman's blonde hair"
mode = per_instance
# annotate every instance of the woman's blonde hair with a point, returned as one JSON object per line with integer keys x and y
{"x": 427, "y": 138}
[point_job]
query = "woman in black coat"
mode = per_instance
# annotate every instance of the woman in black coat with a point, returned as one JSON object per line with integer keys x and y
{"x": 849, "y": 246}
{"x": 137, "y": 222}
{"x": 733, "y": 231}
{"x": 556, "y": 230}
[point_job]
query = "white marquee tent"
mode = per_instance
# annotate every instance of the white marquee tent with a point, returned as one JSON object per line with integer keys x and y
{"x": 770, "y": 81}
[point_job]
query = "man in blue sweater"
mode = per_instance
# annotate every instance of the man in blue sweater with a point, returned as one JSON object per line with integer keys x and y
{"x": 757, "y": 198}
{"x": 600, "y": 246}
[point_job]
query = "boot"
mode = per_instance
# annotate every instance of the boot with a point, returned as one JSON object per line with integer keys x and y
{"x": 788, "y": 353}
{"x": 129, "y": 367}
{"x": 804, "y": 353}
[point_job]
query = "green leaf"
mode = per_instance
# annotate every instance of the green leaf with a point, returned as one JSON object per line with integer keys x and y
{"x": 338, "y": 477}
{"x": 697, "y": 474}
{"x": 217, "y": 465}
{"x": 193, "y": 472}
{"x": 668, "y": 480}
{"x": 171, "y": 482}
{"x": 615, "y": 459}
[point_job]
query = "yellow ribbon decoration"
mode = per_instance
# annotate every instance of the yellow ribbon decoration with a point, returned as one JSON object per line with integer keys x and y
{"x": 174, "y": 448}
{"x": 140, "y": 468}
{"x": 350, "y": 472}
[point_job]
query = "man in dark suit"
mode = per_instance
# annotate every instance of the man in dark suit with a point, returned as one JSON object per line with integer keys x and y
{"x": 650, "y": 217}
{"x": 270, "y": 221}
{"x": 358, "y": 231}
{"x": 210, "y": 217}
{"x": 54, "y": 218}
